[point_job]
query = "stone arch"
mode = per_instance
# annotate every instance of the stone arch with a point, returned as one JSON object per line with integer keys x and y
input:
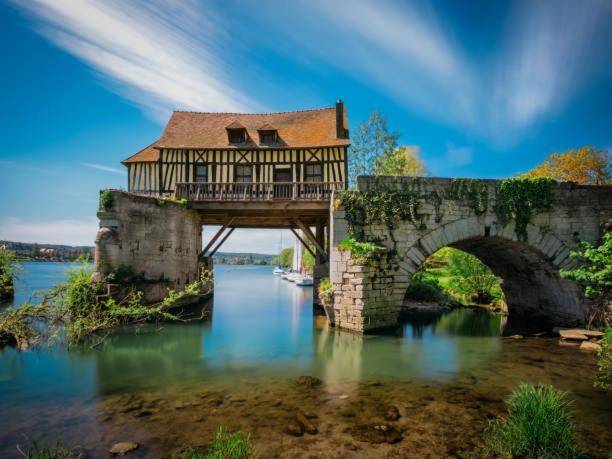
{"x": 534, "y": 290}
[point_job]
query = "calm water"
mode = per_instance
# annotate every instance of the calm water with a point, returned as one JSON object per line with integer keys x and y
{"x": 170, "y": 385}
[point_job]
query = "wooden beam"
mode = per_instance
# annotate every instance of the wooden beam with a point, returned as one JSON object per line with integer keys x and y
{"x": 222, "y": 241}
{"x": 311, "y": 236}
{"x": 306, "y": 246}
{"x": 214, "y": 239}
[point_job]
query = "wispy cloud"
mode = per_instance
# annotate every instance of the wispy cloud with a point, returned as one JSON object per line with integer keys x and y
{"x": 551, "y": 47}
{"x": 101, "y": 167}
{"x": 453, "y": 157}
{"x": 70, "y": 232}
{"x": 160, "y": 55}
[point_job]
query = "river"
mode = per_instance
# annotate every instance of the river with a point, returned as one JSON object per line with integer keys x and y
{"x": 170, "y": 385}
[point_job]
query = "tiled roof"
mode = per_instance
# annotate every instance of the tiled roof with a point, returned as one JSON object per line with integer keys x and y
{"x": 148, "y": 154}
{"x": 307, "y": 128}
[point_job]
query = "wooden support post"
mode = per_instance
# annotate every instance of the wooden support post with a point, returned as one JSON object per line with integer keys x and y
{"x": 311, "y": 237}
{"x": 221, "y": 242}
{"x": 321, "y": 240}
{"x": 306, "y": 246}
{"x": 216, "y": 236}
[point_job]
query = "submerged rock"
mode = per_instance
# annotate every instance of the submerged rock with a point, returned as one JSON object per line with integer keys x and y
{"x": 391, "y": 413}
{"x": 376, "y": 433}
{"x": 309, "y": 381}
{"x": 516, "y": 337}
{"x": 294, "y": 428}
{"x": 122, "y": 448}
{"x": 575, "y": 335}
{"x": 306, "y": 423}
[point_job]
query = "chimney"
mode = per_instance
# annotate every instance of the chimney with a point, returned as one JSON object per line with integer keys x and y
{"x": 340, "y": 131}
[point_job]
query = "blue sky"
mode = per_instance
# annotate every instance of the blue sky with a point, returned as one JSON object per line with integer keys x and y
{"x": 483, "y": 89}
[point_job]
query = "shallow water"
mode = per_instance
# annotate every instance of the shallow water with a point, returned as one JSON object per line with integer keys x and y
{"x": 172, "y": 385}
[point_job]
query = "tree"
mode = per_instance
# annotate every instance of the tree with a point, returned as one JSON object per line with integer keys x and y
{"x": 402, "y": 161}
{"x": 286, "y": 257}
{"x": 9, "y": 268}
{"x": 594, "y": 274}
{"x": 585, "y": 165}
{"x": 473, "y": 278}
{"x": 371, "y": 142}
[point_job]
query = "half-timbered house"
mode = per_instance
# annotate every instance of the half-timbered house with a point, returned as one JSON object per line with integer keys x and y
{"x": 227, "y": 156}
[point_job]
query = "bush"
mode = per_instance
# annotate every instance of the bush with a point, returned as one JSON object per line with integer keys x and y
{"x": 361, "y": 251}
{"x": 224, "y": 446}
{"x": 422, "y": 288}
{"x": 538, "y": 425}
{"x": 603, "y": 380}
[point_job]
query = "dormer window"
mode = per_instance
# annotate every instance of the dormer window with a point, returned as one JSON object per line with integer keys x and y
{"x": 236, "y": 135}
{"x": 267, "y": 137}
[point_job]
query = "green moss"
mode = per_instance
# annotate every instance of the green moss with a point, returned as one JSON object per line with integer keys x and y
{"x": 106, "y": 200}
{"x": 362, "y": 251}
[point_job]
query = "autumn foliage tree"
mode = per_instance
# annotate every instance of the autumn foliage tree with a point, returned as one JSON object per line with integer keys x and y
{"x": 585, "y": 165}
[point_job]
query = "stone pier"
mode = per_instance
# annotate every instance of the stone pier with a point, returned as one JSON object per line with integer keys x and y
{"x": 157, "y": 241}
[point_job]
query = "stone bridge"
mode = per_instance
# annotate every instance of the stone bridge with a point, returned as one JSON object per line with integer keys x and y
{"x": 462, "y": 213}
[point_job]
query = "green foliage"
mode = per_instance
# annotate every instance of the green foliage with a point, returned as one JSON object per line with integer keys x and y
{"x": 370, "y": 142}
{"x": 225, "y": 446}
{"x": 308, "y": 260}
{"x": 538, "y": 425}
{"x": 325, "y": 285}
{"x": 403, "y": 161}
{"x": 44, "y": 451}
{"x": 286, "y": 257}
{"x": 518, "y": 198}
{"x": 472, "y": 278}
{"x": 9, "y": 269}
{"x": 594, "y": 274}
{"x": 362, "y": 251}
{"x": 16, "y": 326}
{"x": 472, "y": 192}
{"x": 106, "y": 200}
{"x": 424, "y": 288}
{"x": 603, "y": 380}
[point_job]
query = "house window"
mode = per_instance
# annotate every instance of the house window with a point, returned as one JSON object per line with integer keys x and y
{"x": 243, "y": 174}
{"x": 267, "y": 137}
{"x": 313, "y": 173}
{"x": 201, "y": 173}
{"x": 237, "y": 135}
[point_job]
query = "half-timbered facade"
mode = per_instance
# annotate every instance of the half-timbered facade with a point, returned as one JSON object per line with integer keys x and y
{"x": 231, "y": 156}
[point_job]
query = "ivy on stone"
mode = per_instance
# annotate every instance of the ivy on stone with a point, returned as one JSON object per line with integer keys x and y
{"x": 106, "y": 200}
{"x": 517, "y": 199}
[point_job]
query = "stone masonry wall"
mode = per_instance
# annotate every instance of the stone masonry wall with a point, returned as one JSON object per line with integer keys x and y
{"x": 158, "y": 239}
{"x": 369, "y": 296}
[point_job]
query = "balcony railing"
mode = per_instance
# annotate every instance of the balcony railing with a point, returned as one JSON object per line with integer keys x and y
{"x": 287, "y": 191}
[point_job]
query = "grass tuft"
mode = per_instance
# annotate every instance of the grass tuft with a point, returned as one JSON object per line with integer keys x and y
{"x": 538, "y": 425}
{"x": 225, "y": 446}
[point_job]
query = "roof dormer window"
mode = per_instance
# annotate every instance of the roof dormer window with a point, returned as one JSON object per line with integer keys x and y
{"x": 236, "y": 132}
{"x": 268, "y": 135}
{"x": 236, "y": 135}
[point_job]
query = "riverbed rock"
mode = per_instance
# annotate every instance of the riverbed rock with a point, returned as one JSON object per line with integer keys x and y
{"x": 309, "y": 381}
{"x": 589, "y": 346}
{"x": 122, "y": 448}
{"x": 294, "y": 428}
{"x": 391, "y": 413}
{"x": 516, "y": 337}
{"x": 376, "y": 433}
{"x": 573, "y": 335}
{"x": 578, "y": 331}
{"x": 307, "y": 425}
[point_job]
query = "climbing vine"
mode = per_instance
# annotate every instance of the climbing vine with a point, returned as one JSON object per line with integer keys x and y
{"x": 518, "y": 198}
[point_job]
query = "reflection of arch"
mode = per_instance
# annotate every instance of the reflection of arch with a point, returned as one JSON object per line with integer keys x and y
{"x": 530, "y": 270}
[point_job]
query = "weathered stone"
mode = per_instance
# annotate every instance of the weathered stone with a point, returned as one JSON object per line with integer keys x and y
{"x": 589, "y": 346}
{"x": 122, "y": 448}
{"x": 391, "y": 413}
{"x": 306, "y": 423}
{"x": 309, "y": 381}
{"x": 294, "y": 428}
{"x": 572, "y": 335}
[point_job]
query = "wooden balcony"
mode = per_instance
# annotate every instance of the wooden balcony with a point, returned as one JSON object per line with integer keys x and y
{"x": 277, "y": 191}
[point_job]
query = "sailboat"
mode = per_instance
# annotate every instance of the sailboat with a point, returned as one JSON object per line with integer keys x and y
{"x": 278, "y": 270}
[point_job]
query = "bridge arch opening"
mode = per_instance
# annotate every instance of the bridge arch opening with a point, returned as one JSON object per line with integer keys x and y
{"x": 535, "y": 293}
